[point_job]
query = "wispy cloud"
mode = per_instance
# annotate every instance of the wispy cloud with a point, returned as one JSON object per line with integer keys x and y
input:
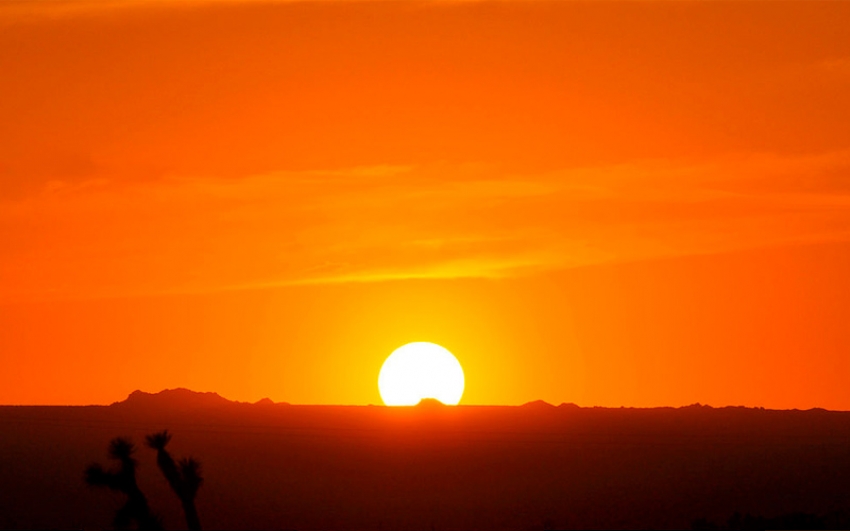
{"x": 393, "y": 222}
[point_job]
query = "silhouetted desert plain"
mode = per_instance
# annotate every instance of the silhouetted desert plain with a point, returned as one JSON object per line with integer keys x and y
{"x": 537, "y": 466}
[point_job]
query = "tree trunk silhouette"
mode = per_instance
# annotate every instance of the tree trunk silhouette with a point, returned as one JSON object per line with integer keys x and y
{"x": 192, "y": 520}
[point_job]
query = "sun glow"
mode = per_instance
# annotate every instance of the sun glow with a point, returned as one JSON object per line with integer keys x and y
{"x": 420, "y": 370}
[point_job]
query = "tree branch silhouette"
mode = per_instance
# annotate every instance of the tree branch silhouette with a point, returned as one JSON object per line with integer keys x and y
{"x": 123, "y": 479}
{"x": 184, "y": 477}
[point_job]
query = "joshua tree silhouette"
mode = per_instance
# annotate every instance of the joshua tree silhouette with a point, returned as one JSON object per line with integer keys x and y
{"x": 123, "y": 479}
{"x": 183, "y": 477}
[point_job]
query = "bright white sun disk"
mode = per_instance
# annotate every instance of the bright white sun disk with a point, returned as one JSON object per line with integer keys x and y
{"x": 420, "y": 370}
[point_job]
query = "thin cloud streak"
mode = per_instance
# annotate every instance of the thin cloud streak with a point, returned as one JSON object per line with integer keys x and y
{"x": 394, "y": 222}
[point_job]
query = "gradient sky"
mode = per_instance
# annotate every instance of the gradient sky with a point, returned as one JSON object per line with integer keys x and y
{"x": 606, "y": 203}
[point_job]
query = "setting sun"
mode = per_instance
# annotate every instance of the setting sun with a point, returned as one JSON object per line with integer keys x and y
{"x": 420, "y": 370}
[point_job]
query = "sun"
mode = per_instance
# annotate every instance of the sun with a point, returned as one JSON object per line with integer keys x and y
{"x": 420, "y": 370}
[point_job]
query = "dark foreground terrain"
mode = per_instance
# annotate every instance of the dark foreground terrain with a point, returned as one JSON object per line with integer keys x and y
{"x": 536, "y": 466}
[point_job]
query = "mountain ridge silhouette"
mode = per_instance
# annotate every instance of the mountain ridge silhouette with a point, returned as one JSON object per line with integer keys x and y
{"x": 183, "y": 398}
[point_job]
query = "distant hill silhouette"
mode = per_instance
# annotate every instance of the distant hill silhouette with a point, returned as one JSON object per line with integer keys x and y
{"x": 173, "y": 398}
{"x": 182, "y": 399}
{"x": 186, "y": 399}
{"x": 428, "y": 403}
{"x": 538, "y": 405}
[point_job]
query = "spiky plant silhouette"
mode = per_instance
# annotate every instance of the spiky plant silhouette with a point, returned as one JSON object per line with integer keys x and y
{"x": 184, "y": 476}
{"x": 123, "y": 479}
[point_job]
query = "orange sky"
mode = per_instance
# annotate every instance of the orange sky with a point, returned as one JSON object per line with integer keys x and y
{"x": 607, "y": 203}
